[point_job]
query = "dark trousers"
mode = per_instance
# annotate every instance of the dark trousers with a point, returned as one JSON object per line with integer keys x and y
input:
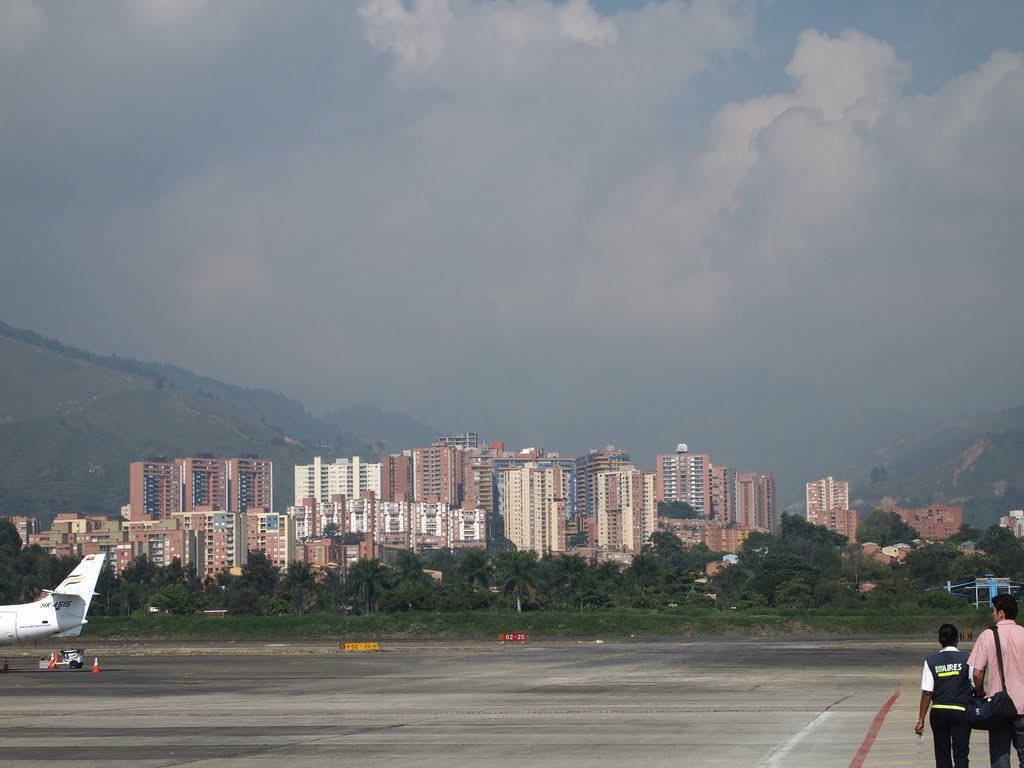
{"x": 1001, "y": 739}
{"x": 952, "y": 736}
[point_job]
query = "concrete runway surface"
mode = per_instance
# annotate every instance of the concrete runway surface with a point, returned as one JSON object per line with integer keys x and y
{"x": 700, "y": 703}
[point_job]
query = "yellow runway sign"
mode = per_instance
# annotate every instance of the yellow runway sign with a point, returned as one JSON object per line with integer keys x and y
{"x": 359, "y": 646}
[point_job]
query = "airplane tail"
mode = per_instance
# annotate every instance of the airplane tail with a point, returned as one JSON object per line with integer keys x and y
{"x": 72, "y": 597}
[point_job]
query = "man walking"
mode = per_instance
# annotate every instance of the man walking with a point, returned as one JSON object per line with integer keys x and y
{"x": 983, "y": 659}
{"x": 946, "y": 686}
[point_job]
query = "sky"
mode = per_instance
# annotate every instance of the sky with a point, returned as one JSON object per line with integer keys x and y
{"x": 780, "y": 232}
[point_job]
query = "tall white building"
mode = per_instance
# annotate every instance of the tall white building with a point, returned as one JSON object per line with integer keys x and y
{"x": 346, "y": 477}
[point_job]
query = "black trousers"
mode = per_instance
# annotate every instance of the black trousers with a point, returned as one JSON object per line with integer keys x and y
{"x": 952, "y": 736}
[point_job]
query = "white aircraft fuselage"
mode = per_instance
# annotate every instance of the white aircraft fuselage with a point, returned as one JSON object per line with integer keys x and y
{"x": 61, "y": 613}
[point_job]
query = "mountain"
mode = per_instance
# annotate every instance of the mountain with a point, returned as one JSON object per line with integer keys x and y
{"x": 975, "y": 460}
{"x": 71, "y": 422}
{"x": 390, "y": 427}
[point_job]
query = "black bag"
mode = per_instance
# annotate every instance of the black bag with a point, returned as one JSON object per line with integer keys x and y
{"x": 993, "y": 711}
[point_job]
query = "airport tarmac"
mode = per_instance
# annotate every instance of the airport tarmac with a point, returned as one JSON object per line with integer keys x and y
{"x": 700, "y": 703}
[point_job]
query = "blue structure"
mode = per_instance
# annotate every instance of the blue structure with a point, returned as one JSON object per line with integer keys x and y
{"x": 983, "y": 589}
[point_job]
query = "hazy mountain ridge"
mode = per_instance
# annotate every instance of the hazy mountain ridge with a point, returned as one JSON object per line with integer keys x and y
{"x": 71, "y": 422}
{"x": 975, "y": 461}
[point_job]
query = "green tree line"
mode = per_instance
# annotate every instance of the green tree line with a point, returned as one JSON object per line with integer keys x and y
{"x": 801, "y": 566}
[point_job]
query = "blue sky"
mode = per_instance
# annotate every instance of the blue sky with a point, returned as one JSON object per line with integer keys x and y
{"x": 776, "y": 231}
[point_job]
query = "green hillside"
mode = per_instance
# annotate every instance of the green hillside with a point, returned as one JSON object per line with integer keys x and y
{"x": 69, "y": 428}
{"x": 975, "y": 462}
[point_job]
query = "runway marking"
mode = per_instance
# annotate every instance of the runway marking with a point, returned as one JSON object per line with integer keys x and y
{"x": 876, "y": 726}
{"x": 777, "y": 757}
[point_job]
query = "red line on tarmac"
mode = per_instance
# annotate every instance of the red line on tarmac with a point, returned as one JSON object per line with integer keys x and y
{"x": 876, "y": 726}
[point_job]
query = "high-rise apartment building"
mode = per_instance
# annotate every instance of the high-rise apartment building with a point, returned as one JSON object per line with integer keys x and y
{"x": 755, "y": 501}
{"x": 842, "y": 521}
{"x": 396, "y": 477}
{"x": 154, "y": 489}
{"x": 158, "y": 488}
{"x": 826, "y": 494}
{"x": 437, "y": 474}
{"x": 537, "y": 457}
{"x": 250, "y": 483}
{"x": 534, "y": 504}
{"x": 685, "y": 477}
{"x": 272, "y": 534}
{"x": 589, "y": 468}
{"x": 204, "y": 482}
{"x": 723, "y": 494}
{"x": 220, "y": 536}
{"x": 626, "y": 509}
{"x": 478, "y": 478}
{"x": 466, "y": 441}
{"x": 348, "y": 477}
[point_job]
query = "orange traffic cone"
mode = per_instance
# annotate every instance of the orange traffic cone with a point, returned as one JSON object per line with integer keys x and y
{"x": 53, "y": 661}
{"x": 96, "y": 665}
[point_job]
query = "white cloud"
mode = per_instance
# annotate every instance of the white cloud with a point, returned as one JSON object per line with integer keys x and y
{"x": 415, "y": 35}
{"x": 578, "y": 21}
{"x": 851, "y": 72}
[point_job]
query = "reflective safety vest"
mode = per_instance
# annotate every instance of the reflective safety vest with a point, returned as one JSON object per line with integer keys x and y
{"x": 952, "y": 680}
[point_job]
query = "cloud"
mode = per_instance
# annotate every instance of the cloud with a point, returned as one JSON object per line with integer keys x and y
{"x": 534, "y": 197}
{"x": 22, "y": 25}
{"x": 415, "y": 35}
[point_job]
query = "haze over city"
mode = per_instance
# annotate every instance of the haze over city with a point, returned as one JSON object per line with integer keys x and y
{"x": 779, "y": 232}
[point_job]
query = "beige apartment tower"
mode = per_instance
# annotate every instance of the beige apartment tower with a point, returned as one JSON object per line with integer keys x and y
{"x": 534, "y": 504}
{"x": 626, "y": 510}
{"x": 824, "y": 495}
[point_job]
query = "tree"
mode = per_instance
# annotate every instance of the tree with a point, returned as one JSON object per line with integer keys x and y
{"x": 298, "y": 586}
{"x": 645, "y": 570}
{"x": 178, "y": 600}
{"x": 964, "y": 534}
{"x": 139, "y": 571}
{"x": 885, "y": 528}
{"x": 10, "y": 540}
{"x": 678, "y": 510}
{"x": 409, "y": 571}
{"x": 473, "y": 569}
{"x": 260, "y": 574}
{"x": 666, "y": 547}
{"x": 931, "y": 565}
{"x": 776, "y": 570}
{"x": 333, "y": 531}
{"x": 243, "y": 600}
{"x": 366, "y": 578}
{"x": 517, "y": 571}
{"x": 573, "y": 579}
{"x": 1001, "y": 544}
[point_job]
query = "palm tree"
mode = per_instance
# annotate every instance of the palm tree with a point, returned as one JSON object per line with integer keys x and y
{"x": 474, "y": 569}
{"x": 298, "y": 585}
{"x": 409, "y": 570}
{"x": 517, "y": 570}
{"x": 571, "y": 572}
{"x": 366, "y": 577}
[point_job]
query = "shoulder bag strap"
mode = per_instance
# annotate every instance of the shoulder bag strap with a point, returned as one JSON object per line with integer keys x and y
{"x": 999, "y": 655}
